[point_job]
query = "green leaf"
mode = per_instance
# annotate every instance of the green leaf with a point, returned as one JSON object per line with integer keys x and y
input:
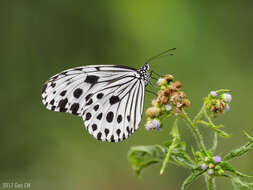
{"x": 239, "y": 184}
{"x": 216, "y": 128}
{"x": 191, "y": 178}
{"x": 167, "y": 157}
{"x": 221, "y": 133}
{"x": 247, "y": 135}
{"x": 227, "y": 167}
{"x": 143, "y": 156}
{"x": 239, "y": 151}
{"x": 174, "y": 132}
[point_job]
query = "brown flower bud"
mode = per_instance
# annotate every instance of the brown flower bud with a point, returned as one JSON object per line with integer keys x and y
{"x": 152, "y": 112}
{"x": 154, "y": 102}
{"x": 178, "y": 84}
{"x": 177, "y": 110}
{"x": 221, "y": 106}
{"x": 167, "y": 92}
{"x": 169, "y": 78}
{"x": 186, "y": 103}
{"x": 182, "y": 94}
{"x": 213, "y": 108}
{"x": 211, "y": 165}
{"x": 175, "y": 98}
{"x": 164, "y": 99}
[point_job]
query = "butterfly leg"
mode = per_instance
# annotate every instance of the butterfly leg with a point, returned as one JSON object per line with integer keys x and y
{"x": 155, "y": 74}
{"x": 151, "y": 84}
{"x": 151, "y": 92}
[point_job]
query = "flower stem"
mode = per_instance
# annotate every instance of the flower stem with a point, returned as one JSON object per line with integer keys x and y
{"x": 198, "y": 116}
{"x": 210, "y": 183}
{"x": 195, "y": 131}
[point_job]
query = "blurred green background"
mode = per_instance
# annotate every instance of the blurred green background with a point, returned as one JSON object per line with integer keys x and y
{"x": 41, "y": 38}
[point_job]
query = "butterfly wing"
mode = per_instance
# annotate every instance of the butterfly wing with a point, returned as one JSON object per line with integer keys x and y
{"x": 115, "y": 91}
{"x": 119, "y": 111}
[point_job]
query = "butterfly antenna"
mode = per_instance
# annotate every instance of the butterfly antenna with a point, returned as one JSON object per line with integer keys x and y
{"x": 165, "y": 53}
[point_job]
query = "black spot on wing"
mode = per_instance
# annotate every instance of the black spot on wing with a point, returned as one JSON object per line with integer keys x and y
{"x": 44, "y": 88}
{"x": 63, "y": 93}
{"x": 106, "y": 132}
{"x": 91, "y": 79}
{"x": 88, "y": 116}
{"x": 118, "y": 131}
{"x": 74, "y": 108}
{"x": 78, "y": 92}
{"x": 89, "y": 102}
{"x": 62, "y": 104}
{"x": 128, "y": 130}
{"x": 112, "y": 139}
{"x": 53, "y": 108}
{"x": 99, "y": 136}
{"x": 51, "y": 102}
{"x": 109, "y": 116}
{"x": 119, "y": 118}
{"x": 114, "y": 100}
{"x": 100, "y": 95}
{"x": 88, "y": 96}
{"x": 94, "y": 127}
{"x": 99, "y": 116}
{"x": 96, "y": 107}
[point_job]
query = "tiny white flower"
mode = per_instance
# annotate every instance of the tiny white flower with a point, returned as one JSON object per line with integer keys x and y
{"x": 168, "y": 107}
{"x": 227, "y": 97}
{"x": 161, "y": 81}
{"x": 213, "y": 93}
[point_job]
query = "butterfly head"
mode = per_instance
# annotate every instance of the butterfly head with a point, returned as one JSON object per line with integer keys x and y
{"x": 143, "y": 71}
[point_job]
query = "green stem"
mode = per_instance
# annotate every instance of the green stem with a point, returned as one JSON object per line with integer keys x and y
{"x": 198, "y": 116}
{"x": 167, "y": 156}
{"x": 174, "y": 133}
{"x": 210, "y": 183}
{"x": 195, "y": 131}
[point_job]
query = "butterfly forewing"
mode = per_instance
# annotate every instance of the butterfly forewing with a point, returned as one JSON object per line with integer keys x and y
{"x": 109, "y": 98}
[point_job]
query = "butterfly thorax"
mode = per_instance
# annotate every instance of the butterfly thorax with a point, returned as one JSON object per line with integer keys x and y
{"x": 143, "y": 72}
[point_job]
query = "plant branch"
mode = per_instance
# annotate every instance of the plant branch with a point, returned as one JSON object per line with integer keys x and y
{"x": 195, "y": 131}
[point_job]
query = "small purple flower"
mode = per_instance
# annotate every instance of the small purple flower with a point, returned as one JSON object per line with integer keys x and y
{"x": 168, "y": 107}
{"x": 227, "y": 108}
{"x": 203, "y": 166}
{"x": 156, "y": 124}
{"x": 210, "y": 171}
{"x": 213, "y": 93}
{"x": 217, "y": 159}
{"x": 227, "y": 97}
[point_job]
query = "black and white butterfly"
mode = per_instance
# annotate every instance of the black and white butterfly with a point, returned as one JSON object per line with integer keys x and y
{"x": 109, "y": 98}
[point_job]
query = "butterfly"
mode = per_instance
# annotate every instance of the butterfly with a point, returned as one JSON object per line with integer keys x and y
{"x": 109, "y": 98}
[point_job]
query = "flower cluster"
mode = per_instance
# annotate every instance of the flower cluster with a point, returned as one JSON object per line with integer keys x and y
{"x": 170, "y": 100}
{"x": 212, "y": 165}
{"x": 218, "y": 102}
